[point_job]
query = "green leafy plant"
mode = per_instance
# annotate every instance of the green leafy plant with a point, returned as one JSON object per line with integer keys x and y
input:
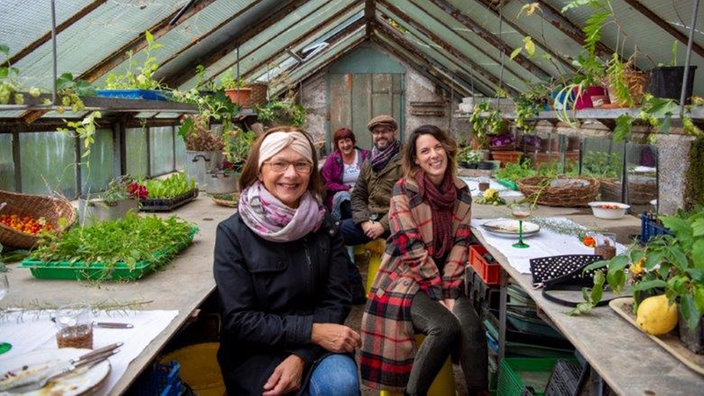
{"x": 10, "y": 88}
{"x": 516, "y": 170}
{"x": 228, "y": 80}
{"x": 123, "y": 187}
{"x": 673, "y": 263}
{"x": 237, "y": 144}
{"x": 128, "y": 240}
{"x": 601, "y": 164}
{"x": 467, "y": 155}
{"x": 83, "y": 129}
{"x": 485, "y": 120}
{"x": 138, "y": 76}
{"x": 173, "y": 186}
{"x": 282, "y": 112}
{"x": 195, "y": 130}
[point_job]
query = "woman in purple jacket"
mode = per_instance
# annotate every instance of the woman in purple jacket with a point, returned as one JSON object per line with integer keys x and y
{"x": 340, "y": 172}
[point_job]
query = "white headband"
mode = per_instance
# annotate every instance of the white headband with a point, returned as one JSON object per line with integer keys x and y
{"x": 278, "y": 141}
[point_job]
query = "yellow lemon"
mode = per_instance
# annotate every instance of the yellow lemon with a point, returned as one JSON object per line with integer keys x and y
{"x": 656, "y": 316}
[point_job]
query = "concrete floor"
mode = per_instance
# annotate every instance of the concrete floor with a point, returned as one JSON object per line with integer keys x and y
{"x": 354, "y": 321}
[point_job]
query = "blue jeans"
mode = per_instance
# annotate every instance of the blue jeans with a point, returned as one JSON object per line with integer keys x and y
{"x": 336, "y": 374}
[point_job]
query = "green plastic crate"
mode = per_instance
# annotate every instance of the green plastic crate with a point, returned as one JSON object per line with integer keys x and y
{"x": 517, "y": 374}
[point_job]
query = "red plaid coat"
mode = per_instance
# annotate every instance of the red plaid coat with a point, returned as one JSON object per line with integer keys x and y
{"x": 388, "y": 344}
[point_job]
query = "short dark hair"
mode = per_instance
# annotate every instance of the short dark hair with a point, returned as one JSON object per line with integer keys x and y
{"x": 343, "y": 133}
{"x": 250, "y": 170}
{"x": 447, "y": 141}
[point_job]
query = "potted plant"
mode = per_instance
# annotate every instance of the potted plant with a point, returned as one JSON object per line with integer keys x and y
{"x": 236, "y": 149}
{"x": 668, "y": 263}
{"x": 281, "y": 112}
{"x": 204, "y": 144}
{"x": 665, "y": 81}
{"x": 121, "y": 196}
{"x": 485, "y": 121}
{"x": 137, "y": 81}
{"x": 235, "y": 89}
{"x": 468, "y": 158}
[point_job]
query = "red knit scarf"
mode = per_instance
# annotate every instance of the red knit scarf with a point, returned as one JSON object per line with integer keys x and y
{"x": 442, "y": 202}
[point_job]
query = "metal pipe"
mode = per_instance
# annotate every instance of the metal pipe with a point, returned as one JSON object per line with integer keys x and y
{"x": 688, "y": 55}
{"x": 53, "y": 51}
{"x": 181, "y": 12}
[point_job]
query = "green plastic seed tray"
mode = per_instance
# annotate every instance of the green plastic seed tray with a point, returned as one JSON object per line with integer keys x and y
{"x": 97, "y": 271}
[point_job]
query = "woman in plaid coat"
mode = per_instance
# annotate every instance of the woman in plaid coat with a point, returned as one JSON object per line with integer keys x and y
{"x": 419, "y": 288}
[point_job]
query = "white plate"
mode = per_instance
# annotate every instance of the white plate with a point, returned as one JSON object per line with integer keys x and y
{"x": 509, "y": 228}
{"x": 80, "y": 381}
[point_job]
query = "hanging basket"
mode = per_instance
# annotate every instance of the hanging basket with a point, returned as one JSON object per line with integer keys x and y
{"x": 561, "y": 191}
{"x": 259, "y": 90}
{"x": 37, "y": 206}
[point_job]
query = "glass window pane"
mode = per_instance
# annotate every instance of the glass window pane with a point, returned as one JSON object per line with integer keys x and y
{"x": 97, "y": 167}
{"x": 7, "y": 165}
{"x": 47, "y": 160}
{"x": 136, "y": 143}
{"x": 162, "y": 153}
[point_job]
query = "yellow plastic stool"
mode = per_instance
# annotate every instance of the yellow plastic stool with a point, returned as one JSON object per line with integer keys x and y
{"x": 376, "y": 250}
{"x": 199, "y": 368}
{"x": 444, "y": 382}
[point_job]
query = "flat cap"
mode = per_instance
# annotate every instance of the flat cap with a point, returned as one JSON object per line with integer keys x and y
{"x": 383, "y": 120}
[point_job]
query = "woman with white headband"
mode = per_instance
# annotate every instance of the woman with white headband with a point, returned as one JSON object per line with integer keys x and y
{"x": 281, "y": 272}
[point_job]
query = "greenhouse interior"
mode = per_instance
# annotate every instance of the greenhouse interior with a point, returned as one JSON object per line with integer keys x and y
{"x": 486, "y": 197}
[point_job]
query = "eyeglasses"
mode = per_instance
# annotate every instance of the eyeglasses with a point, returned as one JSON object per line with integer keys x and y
{"x": 282, "y": 166}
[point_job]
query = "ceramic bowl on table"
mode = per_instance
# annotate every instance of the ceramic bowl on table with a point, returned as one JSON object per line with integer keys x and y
{"x": 608, "y": 210}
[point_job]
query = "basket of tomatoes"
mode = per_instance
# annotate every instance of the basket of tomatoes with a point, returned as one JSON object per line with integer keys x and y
{"x": 23, "y": 217}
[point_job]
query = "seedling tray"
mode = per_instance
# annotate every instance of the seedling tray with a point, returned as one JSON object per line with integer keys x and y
{"x": 144, "y": 94}
{"x": 166, "y": 205}
{"x": 97, "y": 271}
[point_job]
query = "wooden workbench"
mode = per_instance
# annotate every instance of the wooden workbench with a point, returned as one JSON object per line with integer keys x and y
{"x": 183, "y": 284}
{"x": 623, "y": 356}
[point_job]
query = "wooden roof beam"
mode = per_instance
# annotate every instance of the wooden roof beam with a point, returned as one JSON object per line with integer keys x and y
{"x": 490, "y": 38}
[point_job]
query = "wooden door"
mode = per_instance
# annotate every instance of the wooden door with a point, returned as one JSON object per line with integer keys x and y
{"x": 357, "y": 98}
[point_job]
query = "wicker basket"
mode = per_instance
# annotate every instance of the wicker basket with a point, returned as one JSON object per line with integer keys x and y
{"x": 259, "y": 90}
{"x": 50, "y": 208}
{"x": 569, "y": 192}
{"x": 229, "y": 200}
{"x": 640, "y": 190}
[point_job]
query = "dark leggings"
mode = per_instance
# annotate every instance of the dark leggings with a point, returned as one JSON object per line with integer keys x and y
{"x": 459, "y": 332}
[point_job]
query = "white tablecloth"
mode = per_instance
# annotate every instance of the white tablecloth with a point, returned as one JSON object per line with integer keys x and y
{"x": 33, "y": 330}
{"x": 544, "y": 243}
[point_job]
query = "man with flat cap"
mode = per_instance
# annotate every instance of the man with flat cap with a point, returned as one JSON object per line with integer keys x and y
{"x": 372, "y": 192}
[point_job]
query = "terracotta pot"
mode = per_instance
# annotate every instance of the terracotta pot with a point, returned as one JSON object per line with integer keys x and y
{"x": 506, "y": 156}
{"x": 240, "y": 96}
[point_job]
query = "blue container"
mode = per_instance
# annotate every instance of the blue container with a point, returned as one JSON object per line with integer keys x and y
{"x": 649, "y": 227}
{"x": 144, "y": 94}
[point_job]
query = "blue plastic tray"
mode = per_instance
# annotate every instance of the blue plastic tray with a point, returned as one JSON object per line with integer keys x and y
{"x": 144, "y": 94}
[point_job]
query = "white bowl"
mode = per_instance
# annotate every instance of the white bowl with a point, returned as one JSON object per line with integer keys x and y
{"x": 608, "y": 210}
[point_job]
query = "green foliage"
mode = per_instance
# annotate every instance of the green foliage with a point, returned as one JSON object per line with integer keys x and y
{"x": 514, "y": 171}
{"x": 601, "y": 164}
{"x": 215, "y": 107}
{"x": 228, "y": 80}
{"x": 10, "y": 88}
{"x": 128, "y": 240}
{"x": 281, "y": 112}
{"x": 138, "y": 76}
{"x": 83, "y": 129}
{"x": 173, "y": 186}
{"x": 237, "y": 144}
{"x": 71, "y": 90}
{"x": 485, "y": 120}
{"x": 528, "y": 106}
{"x": 672, "y": 263}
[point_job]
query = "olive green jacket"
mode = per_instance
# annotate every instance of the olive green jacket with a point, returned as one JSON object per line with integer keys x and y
{"x": 372, "y": 192}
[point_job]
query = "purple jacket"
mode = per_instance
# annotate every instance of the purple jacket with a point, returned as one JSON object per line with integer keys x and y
{"x": 332, "y": 173}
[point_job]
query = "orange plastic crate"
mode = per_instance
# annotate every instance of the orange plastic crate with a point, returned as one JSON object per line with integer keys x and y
{"x": 489, "y": 271}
